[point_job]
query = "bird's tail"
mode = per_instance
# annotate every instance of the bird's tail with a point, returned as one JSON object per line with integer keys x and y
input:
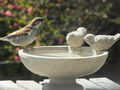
{"x": 3, "y": 39}
{"x": 117, "y": 36}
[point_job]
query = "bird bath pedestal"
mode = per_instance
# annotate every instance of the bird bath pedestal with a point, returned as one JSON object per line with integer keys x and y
{"x": 60, "y": 66}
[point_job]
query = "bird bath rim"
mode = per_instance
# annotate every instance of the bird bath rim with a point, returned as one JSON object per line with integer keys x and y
{"x": 22, "y": 51}
{"x": 62, "y": 70}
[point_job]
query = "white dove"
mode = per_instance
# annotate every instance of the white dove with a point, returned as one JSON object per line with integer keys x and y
{"x": 101, "y": 42}
{"x": 75, "y": 38}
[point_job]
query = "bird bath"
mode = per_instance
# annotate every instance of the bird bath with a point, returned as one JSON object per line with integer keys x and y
{"x": 60, "y": 66}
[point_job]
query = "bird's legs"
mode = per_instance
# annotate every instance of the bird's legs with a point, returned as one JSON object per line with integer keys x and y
{"x": 29, "y": 47}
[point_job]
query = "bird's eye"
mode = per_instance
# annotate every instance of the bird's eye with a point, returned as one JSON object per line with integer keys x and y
{"x": 36, "y": 23}
{"x": 41, "y": 20}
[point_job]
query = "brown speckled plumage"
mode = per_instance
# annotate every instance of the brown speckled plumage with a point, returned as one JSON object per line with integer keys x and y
{"x": 24, "y": 34}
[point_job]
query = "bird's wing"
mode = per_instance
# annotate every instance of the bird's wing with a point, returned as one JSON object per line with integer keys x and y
{"x": 21, "y": 32}
{"x": 104, "y": 39}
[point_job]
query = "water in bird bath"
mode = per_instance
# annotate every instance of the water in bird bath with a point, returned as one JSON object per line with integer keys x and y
{"x": 61, "y": 53}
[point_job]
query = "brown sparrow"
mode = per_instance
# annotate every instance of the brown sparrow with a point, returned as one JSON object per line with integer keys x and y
{"x": 25, "y": 35}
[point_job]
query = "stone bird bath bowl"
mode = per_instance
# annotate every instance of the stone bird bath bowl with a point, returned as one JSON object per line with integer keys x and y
{"x": 60, "y": 66}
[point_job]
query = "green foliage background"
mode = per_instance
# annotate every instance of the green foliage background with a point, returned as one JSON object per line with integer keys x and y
{"x": 62, "y": 16}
